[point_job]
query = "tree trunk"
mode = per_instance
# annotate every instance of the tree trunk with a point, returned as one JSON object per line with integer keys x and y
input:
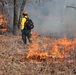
{"x": 20, "y": 15}
{"x": 15, "y": 19}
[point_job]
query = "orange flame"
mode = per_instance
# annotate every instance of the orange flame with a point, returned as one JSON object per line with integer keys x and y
{"x": 56, "y": 49}
{"x": 4, "y": 29}
{"x": 3, "y": 22}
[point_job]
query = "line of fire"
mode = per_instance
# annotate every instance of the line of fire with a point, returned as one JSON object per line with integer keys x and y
{"x": 56, "y": 50}
{"x": 46, "y": 45}
{"x": 59, "y": 49}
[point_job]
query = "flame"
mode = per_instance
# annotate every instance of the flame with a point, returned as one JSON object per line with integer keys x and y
{"x": 56, "y": 49}
{"x": 3, "y": 22}
{"x": 61, "y": 47}
{"x": 4, "y": 29}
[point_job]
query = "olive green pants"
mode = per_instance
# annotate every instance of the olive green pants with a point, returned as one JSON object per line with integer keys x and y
{"x": 26, "y": 34}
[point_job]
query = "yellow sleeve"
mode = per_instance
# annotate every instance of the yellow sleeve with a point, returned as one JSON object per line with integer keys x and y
{"x": 22, "y": 23}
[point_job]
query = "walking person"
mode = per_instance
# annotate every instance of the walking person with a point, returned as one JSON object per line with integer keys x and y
{"x": 26, "y": 27}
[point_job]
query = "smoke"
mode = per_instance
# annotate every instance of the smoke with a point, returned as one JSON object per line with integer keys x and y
{"x": 53, "y": 17}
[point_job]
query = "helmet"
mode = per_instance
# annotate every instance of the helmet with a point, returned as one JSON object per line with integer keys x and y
{"x": 24, "y": 13}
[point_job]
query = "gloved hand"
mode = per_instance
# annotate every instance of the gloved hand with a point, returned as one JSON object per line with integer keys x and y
{"x": 31, "y": 32}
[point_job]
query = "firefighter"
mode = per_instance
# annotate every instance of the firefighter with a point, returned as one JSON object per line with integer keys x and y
{"x": 26, "y": 34}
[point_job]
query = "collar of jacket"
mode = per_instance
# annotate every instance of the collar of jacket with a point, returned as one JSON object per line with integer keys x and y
{"x": 25, "y": 16}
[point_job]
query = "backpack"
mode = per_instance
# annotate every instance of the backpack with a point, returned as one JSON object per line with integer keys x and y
{"x": 29, "y": 24}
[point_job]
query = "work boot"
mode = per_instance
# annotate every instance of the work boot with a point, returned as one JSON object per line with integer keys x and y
{"x": 30, "y": 41}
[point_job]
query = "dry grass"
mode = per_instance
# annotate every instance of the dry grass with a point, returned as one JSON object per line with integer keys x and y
{"x": 12, "y": 50}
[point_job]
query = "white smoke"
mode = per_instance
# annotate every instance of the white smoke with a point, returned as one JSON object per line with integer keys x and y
{"x": 53, "y": 16}
{"x": 48, "y": 17}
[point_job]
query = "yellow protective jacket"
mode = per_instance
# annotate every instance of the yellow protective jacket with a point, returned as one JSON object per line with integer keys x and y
{"x": 23, "y": 22}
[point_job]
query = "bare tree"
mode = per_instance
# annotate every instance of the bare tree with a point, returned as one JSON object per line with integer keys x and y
{"x": 17, "y": 18}
{"x": 17, "y": 22}
{"x": 21, "y": 11}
